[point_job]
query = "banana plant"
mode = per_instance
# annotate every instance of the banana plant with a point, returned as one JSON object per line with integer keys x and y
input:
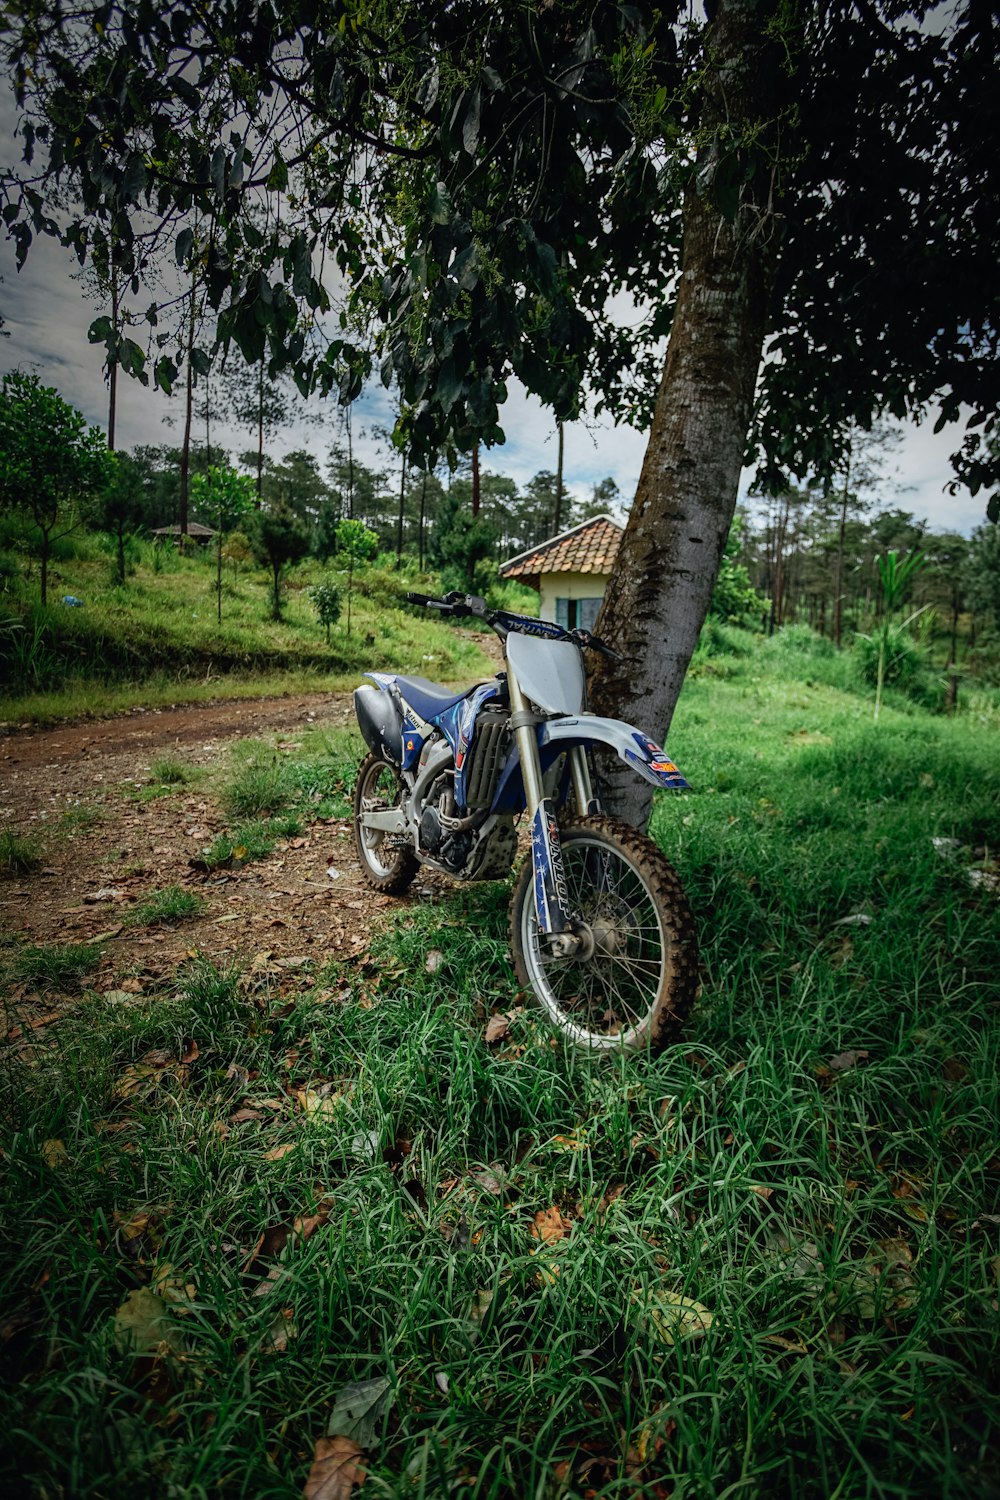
{"x": 895, "y": 574}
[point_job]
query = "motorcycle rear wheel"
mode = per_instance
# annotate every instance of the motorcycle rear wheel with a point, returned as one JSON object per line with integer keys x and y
{"x": 386, "y": 861}
{"x": 634, "y": 990}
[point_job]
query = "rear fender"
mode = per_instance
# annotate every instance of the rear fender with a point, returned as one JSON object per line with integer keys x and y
{"x": 380, "y": 722}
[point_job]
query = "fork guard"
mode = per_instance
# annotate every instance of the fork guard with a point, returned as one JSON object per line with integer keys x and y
{"x": 632, "y": 746}
{"x": 636, "y": 749}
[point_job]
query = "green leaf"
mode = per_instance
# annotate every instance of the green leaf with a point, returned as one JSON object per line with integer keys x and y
{"x": 449, "y": 385}
{"x": 217, "y": 171}
{"x": 277, "y": 178}
{"x": 426, "y": 92}
{"x": 358, "y": 1410}
{"x": 165, "y": 373}
{"x": 100, "y": 330}
{"x": 440, "y": 204}
{"x": 301, "y": 266}
{"x": 184, "y": 245}
{"x": 131, "y": 356}
{"x": 134, "y": 179}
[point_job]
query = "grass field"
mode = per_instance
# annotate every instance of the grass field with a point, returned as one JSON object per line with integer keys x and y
{"x": 244, "y": 1216}
{"x": 156, "y": 640}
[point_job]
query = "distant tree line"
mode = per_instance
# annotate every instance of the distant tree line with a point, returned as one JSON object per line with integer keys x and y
{"x": 808, "y": 569}
{"x": 425, "y": 517}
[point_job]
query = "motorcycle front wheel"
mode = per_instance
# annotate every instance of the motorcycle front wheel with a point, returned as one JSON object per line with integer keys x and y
{"x": 633, "y": 981}
{"x": 387, "y": 861}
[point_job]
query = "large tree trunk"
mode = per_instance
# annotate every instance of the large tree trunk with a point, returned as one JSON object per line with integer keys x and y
{"x": 186, "y": 445}
{"x": 661, "y": 586}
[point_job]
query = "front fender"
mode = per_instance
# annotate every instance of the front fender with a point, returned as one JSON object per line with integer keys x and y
{"x": 635, "y": 748}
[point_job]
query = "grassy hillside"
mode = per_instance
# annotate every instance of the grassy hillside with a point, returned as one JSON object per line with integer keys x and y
{"x": 312, "y": 1183}
{"x": 158, "y": 633}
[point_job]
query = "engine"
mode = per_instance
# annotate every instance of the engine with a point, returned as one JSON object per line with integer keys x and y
{"x": 449, "y": 846}
{"x": 469, "y": 842}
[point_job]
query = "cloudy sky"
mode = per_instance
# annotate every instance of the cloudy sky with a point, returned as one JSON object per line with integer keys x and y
{"x": 47, "y": 316}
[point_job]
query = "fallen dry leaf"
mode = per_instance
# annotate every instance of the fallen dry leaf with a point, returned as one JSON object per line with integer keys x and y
{"x": 845, "y": 1060}
{"x": 335, "y": 1471}
{"x": 575, "y": 1142}
{"x": 496, "y": 1029}
{"x": 316, "y": 1104}
{"x": 143, "y": 1324}
{"x": 55, "y": 1153}
{"x": 549, "y": 1225}
{"x": 435, "y": 959}
{"x": 669, "y": 1316}
{"x": 277, "y": 1152}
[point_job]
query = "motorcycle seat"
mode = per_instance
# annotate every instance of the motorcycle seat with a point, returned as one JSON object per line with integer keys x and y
{"x": 429, "y": 698}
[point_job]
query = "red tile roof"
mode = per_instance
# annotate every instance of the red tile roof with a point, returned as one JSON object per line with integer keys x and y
{"x": 590, "y": 547}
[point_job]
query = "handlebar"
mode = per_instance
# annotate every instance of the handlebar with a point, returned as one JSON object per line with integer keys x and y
{"x": 503, "y": 621}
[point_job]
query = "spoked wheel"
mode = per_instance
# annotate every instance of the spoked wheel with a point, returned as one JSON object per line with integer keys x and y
{"x": 632, "y": 982}
{"x": 387, "y": 859}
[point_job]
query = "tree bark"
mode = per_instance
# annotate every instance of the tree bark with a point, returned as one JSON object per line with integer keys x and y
{"x": 350, "y": 475}
{"x": 557, "y": 519}
{"x": 475, "y": 479}
{"x": 186, "y": 445}
{"x": 113, "y": 370}
{"x": 661, "y": 585}
{"x": 44, "y": 571}
{"x": 260, "y": 433}
{"x": 400, "y": 517}
{"x": 838, "y": 587}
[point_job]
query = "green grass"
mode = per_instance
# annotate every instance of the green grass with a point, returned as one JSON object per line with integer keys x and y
{"x": 55, "y": 966}
{"x": 156, "y": 639}
{"x": 250, "y": 841}
{"x": 168, "y": 770}
{"x": 19, "y": 855}
{"x": 172, "y": 904}
{"x": 815, "y": 1163}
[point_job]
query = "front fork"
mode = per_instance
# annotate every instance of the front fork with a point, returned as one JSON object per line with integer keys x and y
{"x": 552, "y": 904}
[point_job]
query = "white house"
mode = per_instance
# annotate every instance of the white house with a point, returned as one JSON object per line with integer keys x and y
{"x": 570, "y": 571}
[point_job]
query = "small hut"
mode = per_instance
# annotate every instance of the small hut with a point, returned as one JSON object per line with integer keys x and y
{"x": 195, "y": 532}
{"x": 570, "y": 571}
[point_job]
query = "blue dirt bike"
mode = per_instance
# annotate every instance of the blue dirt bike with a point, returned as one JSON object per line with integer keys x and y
{"x": 600, "y": 927}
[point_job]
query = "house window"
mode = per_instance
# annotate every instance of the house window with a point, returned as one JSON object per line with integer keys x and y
{"x": 573, "y": 613}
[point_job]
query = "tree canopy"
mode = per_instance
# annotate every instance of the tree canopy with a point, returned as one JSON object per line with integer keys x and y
{"x": 478, "y": 191}
{"x": 486, "y": 180}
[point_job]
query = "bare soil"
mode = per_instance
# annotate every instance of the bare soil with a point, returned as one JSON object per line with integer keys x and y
{"x": 104, "y": 851}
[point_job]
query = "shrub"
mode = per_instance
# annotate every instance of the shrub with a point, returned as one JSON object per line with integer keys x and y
{"x": 325, "y": 600}
{"x": 801, "y": 640}
{"x": 904, "y": 665}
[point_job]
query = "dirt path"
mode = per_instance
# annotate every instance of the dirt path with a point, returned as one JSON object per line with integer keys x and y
{"x": 160, "y": 729}
{"x": 75, "y": 790}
